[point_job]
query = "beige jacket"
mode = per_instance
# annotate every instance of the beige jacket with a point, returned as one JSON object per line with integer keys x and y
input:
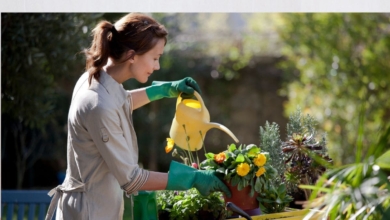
{"x": 102, "y": 153}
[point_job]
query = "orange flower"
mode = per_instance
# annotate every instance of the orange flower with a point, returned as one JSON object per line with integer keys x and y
{"x": 170, "y": 144}
{"x": 260, "y": 171}
{"x": 260, "y": 160}
{"x": 219, "y": 158}
{"x": 243, "y": 169}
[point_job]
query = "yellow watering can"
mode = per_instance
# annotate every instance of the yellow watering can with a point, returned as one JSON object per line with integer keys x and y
{"x": 191, "y": 122}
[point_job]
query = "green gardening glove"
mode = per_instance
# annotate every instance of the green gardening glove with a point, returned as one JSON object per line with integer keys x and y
{"x": 159, "y": 89}
{"x": 183, "y": 177}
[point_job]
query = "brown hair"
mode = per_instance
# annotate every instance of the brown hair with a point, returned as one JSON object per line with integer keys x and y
{"x": 137, "y": 32}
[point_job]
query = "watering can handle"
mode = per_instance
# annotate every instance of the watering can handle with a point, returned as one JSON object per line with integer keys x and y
{"x": 197, "y": 95}
{"x": 200, "y": 101}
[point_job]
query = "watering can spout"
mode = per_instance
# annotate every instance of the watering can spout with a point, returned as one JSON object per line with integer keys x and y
{"x": 223, "y": 128}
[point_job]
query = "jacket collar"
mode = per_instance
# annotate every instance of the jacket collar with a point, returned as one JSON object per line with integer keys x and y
{"x": 112, "y": 87}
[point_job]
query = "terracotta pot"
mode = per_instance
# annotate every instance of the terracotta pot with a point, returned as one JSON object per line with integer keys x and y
{"x": 243, "y": 200}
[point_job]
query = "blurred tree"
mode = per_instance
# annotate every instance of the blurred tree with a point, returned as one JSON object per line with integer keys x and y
{"x": 340, "y": 67}
{"x": 39, "y": 66}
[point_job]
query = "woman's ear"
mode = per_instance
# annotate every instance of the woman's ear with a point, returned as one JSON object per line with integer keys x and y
{"x": 130, "y": 55}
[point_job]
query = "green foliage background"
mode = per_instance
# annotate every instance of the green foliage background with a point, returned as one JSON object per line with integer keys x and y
{"x": 340, "y": 68}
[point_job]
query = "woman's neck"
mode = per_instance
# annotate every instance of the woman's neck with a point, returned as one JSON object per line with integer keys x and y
{"x": 116, "y": 71}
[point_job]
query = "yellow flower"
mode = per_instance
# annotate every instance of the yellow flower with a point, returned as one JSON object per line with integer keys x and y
{"x": 170, "y": 144}
{"x": 219, "y": 158}
{"x": 260, "y": 171}
{"x": 242, "y": 169}
{"x": 260, "y": 160}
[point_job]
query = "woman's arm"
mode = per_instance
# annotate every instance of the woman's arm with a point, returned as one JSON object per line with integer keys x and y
{"x": 183, "y": 177}
{"x": 159, "y": 90}
{"x": 156, "y": 181}
{"x": 139, "y": 97}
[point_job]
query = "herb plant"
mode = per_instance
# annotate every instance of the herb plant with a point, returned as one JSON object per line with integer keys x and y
{"x": 190, "y": 205}
{"x": 274, "y": 198}
{"x": 270, "y": 141}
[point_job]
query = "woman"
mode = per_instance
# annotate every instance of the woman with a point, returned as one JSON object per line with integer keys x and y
{"x": 102, "y": 151}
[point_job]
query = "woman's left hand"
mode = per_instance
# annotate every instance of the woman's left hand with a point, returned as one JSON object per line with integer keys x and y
{"x": 172, "y": 89}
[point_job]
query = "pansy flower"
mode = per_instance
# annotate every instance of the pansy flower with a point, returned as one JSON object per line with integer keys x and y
{"x": 219, "y": 158}
{"x": 260, "y": 160}
{"x": 243, "y": 169}
{"x": 260, "y": 171}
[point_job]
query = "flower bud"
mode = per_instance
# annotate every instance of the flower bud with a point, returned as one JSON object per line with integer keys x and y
{"x": 195, "y": 165}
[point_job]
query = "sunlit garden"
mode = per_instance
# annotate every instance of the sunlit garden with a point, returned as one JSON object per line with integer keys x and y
{"x": 297, "y": 110}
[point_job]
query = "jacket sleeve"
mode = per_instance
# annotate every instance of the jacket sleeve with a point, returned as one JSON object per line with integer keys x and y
{"x": 105, "y": 129}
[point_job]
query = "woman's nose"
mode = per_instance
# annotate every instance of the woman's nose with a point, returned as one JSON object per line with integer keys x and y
{"x": 157, "y": 66}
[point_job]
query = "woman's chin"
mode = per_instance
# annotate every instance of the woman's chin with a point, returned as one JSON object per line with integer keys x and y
{"x": 142, "y": 79}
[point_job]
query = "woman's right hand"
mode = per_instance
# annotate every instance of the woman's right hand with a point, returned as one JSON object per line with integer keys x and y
{"x": 183, "y": 177}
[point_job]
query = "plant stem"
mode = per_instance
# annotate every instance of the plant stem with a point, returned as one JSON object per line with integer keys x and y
{"x": 204, "y": 147}
{"x": 188, "y": 145}
{"x": 307, "y": 192}
{"x": 197, "y": 157}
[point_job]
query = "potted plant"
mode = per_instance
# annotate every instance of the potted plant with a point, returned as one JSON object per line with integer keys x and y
{"x": 301, "y": 159}
{"x": 305, "y": 157}
{"x": 246, "y": 171}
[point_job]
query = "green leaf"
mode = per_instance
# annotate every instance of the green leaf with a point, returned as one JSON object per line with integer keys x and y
{"x": 240, "y": 185}
{"x": 235, "y": 180}
{"x": 240, "y": 158}
{"x": 233, "y": 165}
{"x": 282, "y": 188}
{"x": 220, "y": 170}
{"x": 258, "y": 185}
{"x": 210, "y": 155}
{"x": 384, "y": 160}
{"x": 252, "y": 149}
{"x": 229, "y": 155}
{"x": 248, "y": 177}
{"x": 247, "y": 160}
{"x": 232, "y": 147}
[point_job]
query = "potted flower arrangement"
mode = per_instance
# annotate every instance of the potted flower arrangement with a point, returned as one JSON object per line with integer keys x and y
{"x": 247, "y": 172}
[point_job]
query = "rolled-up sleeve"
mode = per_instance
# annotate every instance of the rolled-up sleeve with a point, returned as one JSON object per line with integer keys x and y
{"x": 104, "y": 125}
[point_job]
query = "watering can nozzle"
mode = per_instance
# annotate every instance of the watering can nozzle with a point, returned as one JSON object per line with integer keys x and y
{"x": 225, "y": 129}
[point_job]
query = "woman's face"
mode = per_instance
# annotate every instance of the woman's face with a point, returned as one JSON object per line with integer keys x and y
{"x": 143, "y": 65}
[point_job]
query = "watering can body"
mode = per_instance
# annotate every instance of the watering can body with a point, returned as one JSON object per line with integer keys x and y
{"x": 191, "y": 123}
